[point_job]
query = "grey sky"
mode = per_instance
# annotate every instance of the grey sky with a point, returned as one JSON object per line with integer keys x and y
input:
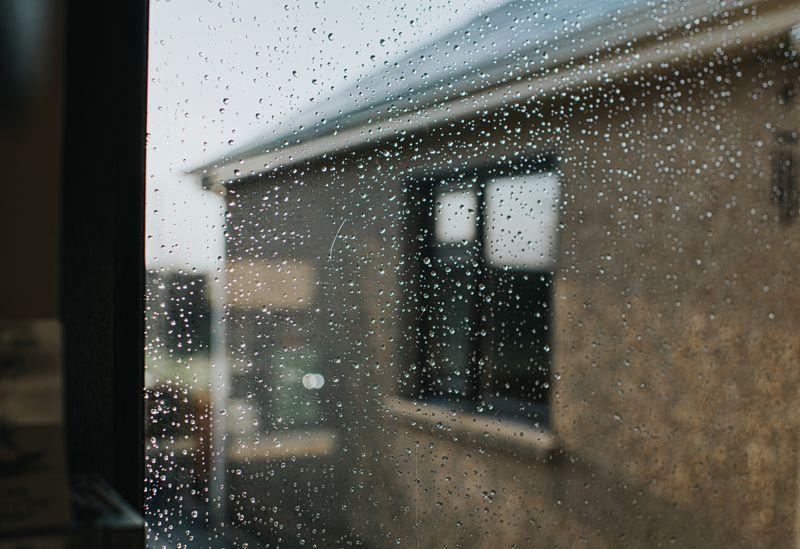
{"x": 224, "y": 73}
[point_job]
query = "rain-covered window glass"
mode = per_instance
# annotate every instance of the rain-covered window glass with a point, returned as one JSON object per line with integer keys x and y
{"x": 456, "y": 216}
{"x": 514, "y": 273}
{"x": 521, "y": 218}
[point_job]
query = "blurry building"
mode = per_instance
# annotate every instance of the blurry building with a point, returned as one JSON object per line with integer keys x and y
{"x": 179, "y": 314}
{"x": 531, "y": 285}
{"x": 177, "y": 388}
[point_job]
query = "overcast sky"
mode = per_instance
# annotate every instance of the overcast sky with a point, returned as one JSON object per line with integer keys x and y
{"x": 225, "y": 73}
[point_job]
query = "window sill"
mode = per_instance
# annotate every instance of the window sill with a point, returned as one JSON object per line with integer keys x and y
{"x": 488, "y": 433}
{"x": 299, "y": 443}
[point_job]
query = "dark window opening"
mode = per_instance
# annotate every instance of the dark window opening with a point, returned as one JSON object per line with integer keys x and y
{"x": 486, "y": 246}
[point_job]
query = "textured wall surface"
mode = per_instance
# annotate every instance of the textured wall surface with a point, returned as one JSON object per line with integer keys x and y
{"x": 676, "y": 342}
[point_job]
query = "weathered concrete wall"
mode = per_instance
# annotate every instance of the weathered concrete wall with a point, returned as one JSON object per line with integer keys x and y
{"x": 676, "y": 342}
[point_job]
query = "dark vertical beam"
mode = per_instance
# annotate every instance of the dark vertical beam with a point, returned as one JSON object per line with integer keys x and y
{"x": 102, "y": 239}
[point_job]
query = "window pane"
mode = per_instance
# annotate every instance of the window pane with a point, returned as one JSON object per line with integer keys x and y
{"x": 297, "y": 386}
{"x": 517, "y": 369}
{"x": 521, "y": 221}
{"x": 465, "y": 274}
{"x": 456, "y": 215}
{"x": 449, "y": 334}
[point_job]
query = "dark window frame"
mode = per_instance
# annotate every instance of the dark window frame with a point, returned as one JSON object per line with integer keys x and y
{"x": 102, "y": 237}
{"x": 419, "y": 227}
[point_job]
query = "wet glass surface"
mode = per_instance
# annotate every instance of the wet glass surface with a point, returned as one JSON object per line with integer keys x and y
{"x": 515, "y": 274}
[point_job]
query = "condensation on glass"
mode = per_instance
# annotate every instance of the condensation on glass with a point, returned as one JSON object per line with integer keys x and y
{"x": 517, "y": 274}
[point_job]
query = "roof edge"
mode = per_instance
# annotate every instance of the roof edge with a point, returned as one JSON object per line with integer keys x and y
{"x": 666, "y": 48}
